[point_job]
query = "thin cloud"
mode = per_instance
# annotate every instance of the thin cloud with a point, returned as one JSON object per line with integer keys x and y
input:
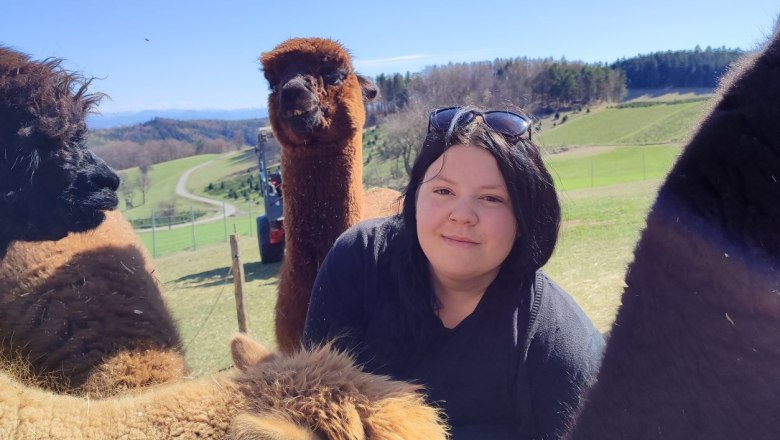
{"x": 391, "y": 60}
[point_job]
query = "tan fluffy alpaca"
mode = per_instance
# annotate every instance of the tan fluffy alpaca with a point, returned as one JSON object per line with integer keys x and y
{"x": 86, "y": 312}
{"x": 316, "y": 394}
{"x": 316, "y": 108}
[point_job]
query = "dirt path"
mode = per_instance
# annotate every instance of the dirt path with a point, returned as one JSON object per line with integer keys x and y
{"x": 181, "y": 190}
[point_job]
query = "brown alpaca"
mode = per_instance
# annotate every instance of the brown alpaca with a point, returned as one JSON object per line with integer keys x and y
{"x": 317, "y": 115}
{"x": 310, "y": 395}
{"x": 50, "y": 184}
{"x": 695, "y": 350}
{"x": 87, "y": 313}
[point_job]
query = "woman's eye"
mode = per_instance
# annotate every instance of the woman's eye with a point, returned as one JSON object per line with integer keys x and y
{"x": 493, "y": 199}
{"x": 442, "y": 191}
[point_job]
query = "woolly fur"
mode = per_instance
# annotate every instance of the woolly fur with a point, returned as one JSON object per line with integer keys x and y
{"x": 309, "y": 394}
{"x": 87, "y": 312}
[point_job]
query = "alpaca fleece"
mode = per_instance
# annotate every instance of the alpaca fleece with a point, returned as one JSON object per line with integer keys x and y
{"x": 87, "y": 313}
{"x": 308, "y": 395}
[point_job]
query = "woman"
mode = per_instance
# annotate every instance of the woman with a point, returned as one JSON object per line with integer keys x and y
{"x": 449, "y": 293}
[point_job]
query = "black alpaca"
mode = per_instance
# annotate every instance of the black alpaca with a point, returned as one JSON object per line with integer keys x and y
{"x": 50, "y": 184}
{"x": 695, "y": 350}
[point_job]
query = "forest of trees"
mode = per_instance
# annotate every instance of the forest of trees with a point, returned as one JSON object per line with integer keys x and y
{"x": 161, "y": 140}
{"x": 536, "y": 85}
{"x": 682, "y": 68}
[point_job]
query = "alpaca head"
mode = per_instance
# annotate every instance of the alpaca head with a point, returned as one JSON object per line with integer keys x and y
{"x": 321, "y": 394}
{"x": 316, "y": 96}
{"x": 50, "y": 184}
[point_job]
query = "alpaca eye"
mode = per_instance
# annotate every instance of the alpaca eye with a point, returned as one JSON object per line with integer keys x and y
{"x": 333, "y": 76}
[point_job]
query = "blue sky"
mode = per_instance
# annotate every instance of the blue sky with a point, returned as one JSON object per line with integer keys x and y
{"x": 203, "y": 54}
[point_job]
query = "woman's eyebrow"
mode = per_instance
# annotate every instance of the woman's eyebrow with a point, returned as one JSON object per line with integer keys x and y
{"x": 443, "y": 178}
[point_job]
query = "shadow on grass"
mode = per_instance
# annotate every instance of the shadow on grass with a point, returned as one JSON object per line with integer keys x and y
{"x": 216, "y": 277}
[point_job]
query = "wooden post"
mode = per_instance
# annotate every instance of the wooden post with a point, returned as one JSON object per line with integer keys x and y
{"x": 238, "y": 281}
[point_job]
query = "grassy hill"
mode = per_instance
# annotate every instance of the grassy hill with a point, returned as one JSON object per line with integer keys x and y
{"x": 651, "y": 123}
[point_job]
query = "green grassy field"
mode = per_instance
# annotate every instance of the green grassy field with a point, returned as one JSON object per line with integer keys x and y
{"x": 200, "y": 294}
{"x": 585, "y": 167}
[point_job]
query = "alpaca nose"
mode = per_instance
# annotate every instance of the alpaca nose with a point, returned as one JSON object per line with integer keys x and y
{"x": 296, "y": 99}
{"x": 102, "y": 175}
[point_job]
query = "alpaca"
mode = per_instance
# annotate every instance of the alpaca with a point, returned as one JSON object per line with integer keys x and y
{"x": 694, "y": 352}
{"x": 50, "y": 184}
{"x": 87, "y": 313}
{"x": 310, "y": 395}
{"x": 317, "y": 115}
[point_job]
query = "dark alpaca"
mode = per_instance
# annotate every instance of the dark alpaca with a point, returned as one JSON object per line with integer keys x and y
{"x": 695, "y": 350}
{"x": 50, "y": 184}
{"x": 317, "y": 114}
{"x": 83, "y": 310}
{"x": 86, "y": 313}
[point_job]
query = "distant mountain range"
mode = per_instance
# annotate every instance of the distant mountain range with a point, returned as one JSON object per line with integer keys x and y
{"x": 110, "y": 120}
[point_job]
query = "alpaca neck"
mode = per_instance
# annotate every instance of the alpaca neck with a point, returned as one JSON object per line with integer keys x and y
{"x": 323, "y": 190}
{"x": 200, "y": 408}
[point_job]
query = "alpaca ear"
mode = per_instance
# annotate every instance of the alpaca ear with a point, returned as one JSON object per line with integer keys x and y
{"x": 369, "y": 89}
{"x": 247, "y": 352}
{"x": 251, "y": 427}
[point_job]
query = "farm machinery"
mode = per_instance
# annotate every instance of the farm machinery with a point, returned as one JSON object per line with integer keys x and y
{"x": 270, "y": 227}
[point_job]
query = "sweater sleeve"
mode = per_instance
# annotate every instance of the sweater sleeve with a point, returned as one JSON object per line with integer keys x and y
{"x": 336, "y": 310}
{"x": 563, "y": 360}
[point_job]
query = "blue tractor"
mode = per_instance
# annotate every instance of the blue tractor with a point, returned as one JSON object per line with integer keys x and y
{"x": 270, "y": 227}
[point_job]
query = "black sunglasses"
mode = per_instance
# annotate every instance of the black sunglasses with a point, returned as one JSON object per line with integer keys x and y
{"x": 507, "y": 123}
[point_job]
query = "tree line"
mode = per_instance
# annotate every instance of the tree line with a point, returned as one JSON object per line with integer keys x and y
{"x": 533, "y": 84}
{"x": 161, "y": 140}
{"x": 681, "y": 68}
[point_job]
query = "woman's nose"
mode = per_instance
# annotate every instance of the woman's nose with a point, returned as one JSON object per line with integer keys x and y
{"x": 463, "y": 212}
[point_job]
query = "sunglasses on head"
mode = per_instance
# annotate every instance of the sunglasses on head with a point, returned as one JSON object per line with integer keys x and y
{"x": 507, "y": 123}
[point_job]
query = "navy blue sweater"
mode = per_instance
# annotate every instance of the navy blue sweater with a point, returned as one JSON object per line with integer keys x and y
{"x": 514, "y": 368}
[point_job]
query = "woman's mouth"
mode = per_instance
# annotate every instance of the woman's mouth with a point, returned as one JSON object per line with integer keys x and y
{"x": 459, "y": 241}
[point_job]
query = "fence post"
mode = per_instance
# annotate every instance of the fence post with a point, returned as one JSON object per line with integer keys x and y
{"x": 238, "y": 282}
{"x": 192, "y": 219}
{"x": 154, "y": 238}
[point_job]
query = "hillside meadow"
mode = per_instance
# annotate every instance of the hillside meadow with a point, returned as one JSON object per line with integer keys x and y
{"x": 605, "y": 187}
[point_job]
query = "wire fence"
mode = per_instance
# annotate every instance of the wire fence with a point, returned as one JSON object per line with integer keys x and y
{"x": 164, "y": 235}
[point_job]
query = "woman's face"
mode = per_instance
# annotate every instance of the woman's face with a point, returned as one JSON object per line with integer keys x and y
{"x": 465, "y": 221}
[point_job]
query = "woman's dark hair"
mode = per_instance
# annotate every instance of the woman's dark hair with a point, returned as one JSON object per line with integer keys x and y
{"x": 534, "y": 201}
